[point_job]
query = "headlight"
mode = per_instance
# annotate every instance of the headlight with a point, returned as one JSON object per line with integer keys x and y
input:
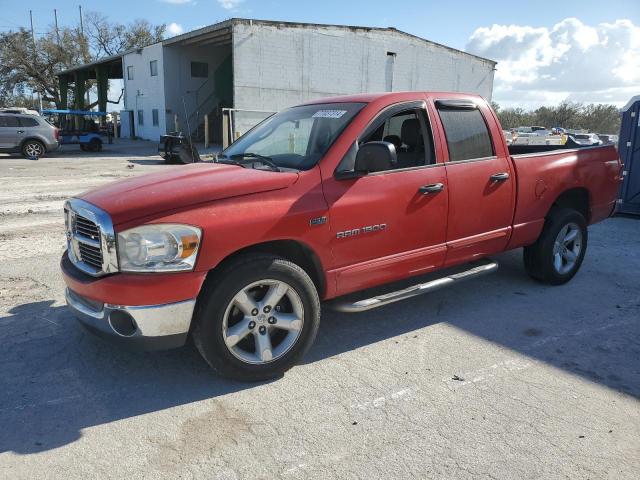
{"x": 158, "y": 248}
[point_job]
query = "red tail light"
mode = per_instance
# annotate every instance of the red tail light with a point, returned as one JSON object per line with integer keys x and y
{"x": 56, "y": 133}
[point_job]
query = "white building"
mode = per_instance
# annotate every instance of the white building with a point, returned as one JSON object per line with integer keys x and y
{"x": 264, "y": 66}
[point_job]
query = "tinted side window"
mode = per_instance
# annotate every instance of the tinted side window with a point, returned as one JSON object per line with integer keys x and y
{"x": 28, "y": 122}
{"x": 8, "y": 121}
{"x": 467, "y": 134}
{"x": 406, "y": 130}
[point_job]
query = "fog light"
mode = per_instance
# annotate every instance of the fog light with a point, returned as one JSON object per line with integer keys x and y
{"x": 122, "y": 323}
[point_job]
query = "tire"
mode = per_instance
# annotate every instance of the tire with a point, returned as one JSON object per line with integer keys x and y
{"x": 33, "y": 148}
{"x": 559, "y": 251}
{"x": 83, "y": 147}
{"x": 231, "y": 321}
{"x": 95, "y": 145}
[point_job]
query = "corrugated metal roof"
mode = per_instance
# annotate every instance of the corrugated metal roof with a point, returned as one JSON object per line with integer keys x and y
{"x": 213, "y": 32}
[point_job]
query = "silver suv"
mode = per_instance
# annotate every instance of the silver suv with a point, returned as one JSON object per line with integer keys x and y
{"x": 30, "y": 135}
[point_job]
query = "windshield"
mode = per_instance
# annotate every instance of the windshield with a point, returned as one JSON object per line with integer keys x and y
{"x": 294, "y": 138}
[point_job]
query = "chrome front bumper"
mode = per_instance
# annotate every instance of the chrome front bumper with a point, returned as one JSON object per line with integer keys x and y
{"x": 149, "y": 327}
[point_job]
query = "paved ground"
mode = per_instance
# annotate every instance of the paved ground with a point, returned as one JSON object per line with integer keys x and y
{"x": 498, "y": 378}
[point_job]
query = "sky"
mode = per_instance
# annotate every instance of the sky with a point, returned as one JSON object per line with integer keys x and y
{"x": 547, "y": 52}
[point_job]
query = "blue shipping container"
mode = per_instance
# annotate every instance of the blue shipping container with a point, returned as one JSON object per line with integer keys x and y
{"x": 629, "y": 148}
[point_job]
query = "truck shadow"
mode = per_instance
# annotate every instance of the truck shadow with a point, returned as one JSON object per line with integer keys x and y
{"x": 58, "y": 379}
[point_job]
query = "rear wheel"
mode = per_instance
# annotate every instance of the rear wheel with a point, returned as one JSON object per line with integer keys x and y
{"x": 33, "y": 149}
{"x": 256, "y": 318}
{"x": 559, "y": 251}
{"x": 95, "y": 145}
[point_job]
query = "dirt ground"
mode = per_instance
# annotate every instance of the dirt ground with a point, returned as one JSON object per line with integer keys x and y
{"x": 496, "y": 378}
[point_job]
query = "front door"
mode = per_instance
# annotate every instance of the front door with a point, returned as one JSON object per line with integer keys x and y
{"x": 481, "y": 185}
{"x": 9, "y": 127}
{"x": 386, "y": 225}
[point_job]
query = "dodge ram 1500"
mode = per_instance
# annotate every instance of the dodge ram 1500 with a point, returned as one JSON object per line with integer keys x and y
{"x": 322, "y": 200}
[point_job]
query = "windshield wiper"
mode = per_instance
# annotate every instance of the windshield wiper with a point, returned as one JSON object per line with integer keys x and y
{"x": 229, "y": 161}
{"x": 261, "y": 158}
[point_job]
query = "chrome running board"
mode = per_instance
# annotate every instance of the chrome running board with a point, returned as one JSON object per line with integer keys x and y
{"x": 378, "y": 301}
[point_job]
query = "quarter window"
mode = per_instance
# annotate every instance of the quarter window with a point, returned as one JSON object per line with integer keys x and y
{"x": 467, "y": 134}
{"x": 153, "y": 67}
{"x": 28, "y": 122}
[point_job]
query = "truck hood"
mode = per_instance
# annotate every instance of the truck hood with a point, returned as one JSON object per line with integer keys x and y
{"x": 180, "y": 187}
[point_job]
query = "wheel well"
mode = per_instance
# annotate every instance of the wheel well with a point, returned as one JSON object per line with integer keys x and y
{"x": 291, "y": 250}
{"x": 28, "y": 139}
{"x": 577, "y": 199}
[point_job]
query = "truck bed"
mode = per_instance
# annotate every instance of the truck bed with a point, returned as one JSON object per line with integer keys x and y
{"x": 543, "y": 176}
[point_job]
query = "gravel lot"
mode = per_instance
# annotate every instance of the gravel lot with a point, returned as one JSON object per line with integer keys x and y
{"x": 499, "y": 377}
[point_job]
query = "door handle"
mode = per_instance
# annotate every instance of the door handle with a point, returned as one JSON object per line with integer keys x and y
{"x": 20, "y": 131}
{"x": 432, "y": 188}
{"x": 499, "y": 177}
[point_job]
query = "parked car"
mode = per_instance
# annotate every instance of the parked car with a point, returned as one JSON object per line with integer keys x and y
{"x": 21, "y": 110}
{"x": 605, "y": 139}
{"x": 588, "y": 139}
{"x": 319, "y": 203}
{"x": 28, "y": 134}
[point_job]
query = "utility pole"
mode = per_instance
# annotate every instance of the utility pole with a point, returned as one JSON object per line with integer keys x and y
{"x": 85, "y": 53}
{"x": 35, "y": 53}
{"x": 55, "y": 17}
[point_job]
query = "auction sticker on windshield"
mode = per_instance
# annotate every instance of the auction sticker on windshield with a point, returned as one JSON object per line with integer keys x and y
{"x": 329, "y": 113}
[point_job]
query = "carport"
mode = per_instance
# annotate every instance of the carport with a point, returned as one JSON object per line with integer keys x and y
{"x": 101, "y": 71}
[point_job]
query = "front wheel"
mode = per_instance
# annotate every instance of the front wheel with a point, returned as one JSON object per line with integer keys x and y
{"x": 255, "y": 319}
{"x": 559, "y": 251}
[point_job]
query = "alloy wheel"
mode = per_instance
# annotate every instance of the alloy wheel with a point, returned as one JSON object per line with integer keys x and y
{"x": 263, "y": 321}
{"x": 34, "y": 149}
{"x": 567, "y": 248}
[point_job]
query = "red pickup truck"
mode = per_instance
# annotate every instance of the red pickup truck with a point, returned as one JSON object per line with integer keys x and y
{"x": 322, "y": 200}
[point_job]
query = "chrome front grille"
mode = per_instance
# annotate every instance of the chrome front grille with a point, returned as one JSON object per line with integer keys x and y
{"x": 91, "y": 242}
{"x": 85, "y": 227}
{"x": 91, "y": 255}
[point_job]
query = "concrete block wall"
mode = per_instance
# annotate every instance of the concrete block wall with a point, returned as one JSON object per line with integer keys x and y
{"x": 279, "y": 65}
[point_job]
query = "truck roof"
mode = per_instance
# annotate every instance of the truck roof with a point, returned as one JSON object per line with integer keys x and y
{"x": 399, "y": 96}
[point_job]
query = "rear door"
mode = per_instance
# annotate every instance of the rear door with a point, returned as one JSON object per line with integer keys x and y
{"x": 9, "y": 127}
{"x": 384, "y": 227}
{"x": 480, "y": 180}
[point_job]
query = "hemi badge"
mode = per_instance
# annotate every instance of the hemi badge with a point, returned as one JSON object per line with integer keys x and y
{"x": 318, "y": 221}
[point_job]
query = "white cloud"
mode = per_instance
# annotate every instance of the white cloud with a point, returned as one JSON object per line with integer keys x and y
{"x": 229, "y": 4}
{"x": 174, "y": 29}
{"x": 178, "y": 2}
{"x": 569, "y": 61}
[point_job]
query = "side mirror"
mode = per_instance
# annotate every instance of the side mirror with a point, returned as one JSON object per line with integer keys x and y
{"x": 375, "y": 157}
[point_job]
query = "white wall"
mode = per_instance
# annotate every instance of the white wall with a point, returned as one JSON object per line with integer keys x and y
{"x": 145, "y": 92}
{"x": 276, "y": 66}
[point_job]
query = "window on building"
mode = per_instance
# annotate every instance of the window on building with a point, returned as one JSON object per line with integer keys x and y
{"x": 140, "y": 117}
{"x": 155, "y": 117}
{"x": 467, "y": 134}
{"x": 130, "y": 72}
{"x": 199, "y": 69}
{"x": 153, "y": 66}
